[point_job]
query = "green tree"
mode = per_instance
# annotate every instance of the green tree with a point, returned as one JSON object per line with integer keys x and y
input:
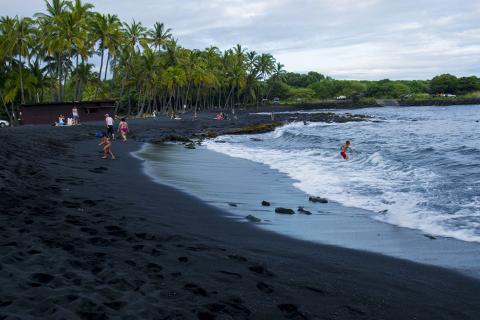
{"x": 445, "y": 83}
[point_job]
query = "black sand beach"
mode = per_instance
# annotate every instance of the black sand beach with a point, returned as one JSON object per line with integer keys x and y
{"x": 85, "y": 238}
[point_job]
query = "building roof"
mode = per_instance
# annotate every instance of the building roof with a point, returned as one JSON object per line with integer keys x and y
{"x": 84, "y": 104}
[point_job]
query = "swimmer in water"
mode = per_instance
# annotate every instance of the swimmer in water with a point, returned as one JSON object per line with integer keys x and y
{"x": 343, "y": 150}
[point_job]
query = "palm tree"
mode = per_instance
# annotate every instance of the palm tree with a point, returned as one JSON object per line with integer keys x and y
{"x": 279, "y": 72}
{"x": 82, "y": 15}
{"x": 265, "y": 65}
{"x": 134, "y": 33}
{"x": 100, "y": 31}
{"x": 55, "y": 8}
{"x": 80, "y": 10}
{"x": 112, "y": 40}
{"x": 18, "y": 43}
{"x": 51, "y": 25}
{"x": 149, "y": 67}
{"x": 159, "y": 36}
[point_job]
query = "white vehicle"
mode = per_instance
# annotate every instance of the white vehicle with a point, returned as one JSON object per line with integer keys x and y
{"x": 4, "y": 124}
{"x": 342, "y": 98}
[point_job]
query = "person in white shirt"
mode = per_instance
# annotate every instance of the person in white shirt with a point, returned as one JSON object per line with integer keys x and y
{"x": 75, "y": 116}
{"x": 109, "y": 122}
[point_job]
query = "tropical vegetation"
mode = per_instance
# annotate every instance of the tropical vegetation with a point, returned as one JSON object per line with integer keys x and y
{"x": 70, "y": 52}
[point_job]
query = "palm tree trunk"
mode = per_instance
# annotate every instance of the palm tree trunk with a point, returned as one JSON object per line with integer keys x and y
{"x": 59, "y": 75}
{"x": 21, "y": 79}
{"x": 77, "y": 81}
{"x": 99, "y": 73}
{"x": 129, "y": 110}
{"x": 106, "y": 66}
{"x": 228, "y": 97}
{"x": 5, "y": 107}
{"x": 52, "y": 86}
{"x": 142, "y": 106}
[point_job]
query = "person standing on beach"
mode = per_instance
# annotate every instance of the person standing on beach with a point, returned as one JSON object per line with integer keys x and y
{"x": 107, "y": 147}
{"x": 109, "y": 123}
{"x": 123, "y": 129}
{"x": 343, "y": 150}
{"x": 75, "y": 116}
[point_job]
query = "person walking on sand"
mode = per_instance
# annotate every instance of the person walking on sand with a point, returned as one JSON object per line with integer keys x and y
{"x": 109, "y": 123}
{"x": 343, "y": 150}
{"x": 123, "y": 129}
{"x": 107, "y": 147}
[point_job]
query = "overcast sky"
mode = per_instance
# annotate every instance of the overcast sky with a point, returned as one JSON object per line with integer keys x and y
{"x": 347, "y": 39}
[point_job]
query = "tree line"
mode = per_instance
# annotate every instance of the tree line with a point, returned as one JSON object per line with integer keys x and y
{"x": 50, "y": 57}
{"x": 314, "y": 86}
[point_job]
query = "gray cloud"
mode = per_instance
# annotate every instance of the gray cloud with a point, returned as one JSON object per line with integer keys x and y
{"x": 367, "y": 39}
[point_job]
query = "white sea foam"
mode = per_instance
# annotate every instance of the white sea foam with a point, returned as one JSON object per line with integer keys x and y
{"x": 368, "y": 181}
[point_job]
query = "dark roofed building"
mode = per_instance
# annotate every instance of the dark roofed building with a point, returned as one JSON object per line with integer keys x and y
{"x": 47, "y": 113}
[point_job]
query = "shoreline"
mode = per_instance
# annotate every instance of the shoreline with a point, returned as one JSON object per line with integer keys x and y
{"x": 191, "y": 171}
{"x": 99, "y": 239}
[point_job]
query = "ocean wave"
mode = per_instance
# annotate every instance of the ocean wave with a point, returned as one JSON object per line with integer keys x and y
{"x": 394, "y": 190}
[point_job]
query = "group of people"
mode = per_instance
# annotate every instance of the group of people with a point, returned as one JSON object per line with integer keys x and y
{"x": 109, "y": 135}
{"x": 220, "y": 116}
{"x": 123, "y": 130}
{"x": 63, "y": 120}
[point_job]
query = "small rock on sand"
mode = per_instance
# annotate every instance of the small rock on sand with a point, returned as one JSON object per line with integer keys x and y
{"x": 284, "y": 211}
{"x": 252, "y": 218}
{"x": 302, "y": 210}
{"x": 318, "y": 200}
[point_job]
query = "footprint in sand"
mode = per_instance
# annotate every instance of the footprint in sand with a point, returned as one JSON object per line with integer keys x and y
{"x": 265, "y": 288}
{"x": 237, "y": 258}
{"x": 260, "y": 270}
{"x": 183, "y": 259}
{"x": 233, "y": 274}
{"x": 98, "y": 170}
{"x": 291, "y": 311}
{"x": 196, "y": 290}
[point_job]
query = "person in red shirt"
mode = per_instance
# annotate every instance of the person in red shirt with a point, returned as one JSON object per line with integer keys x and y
{"x": 343, "y": 150}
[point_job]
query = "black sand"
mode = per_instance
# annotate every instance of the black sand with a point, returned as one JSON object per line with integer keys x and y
{"x": 86, "y": 238}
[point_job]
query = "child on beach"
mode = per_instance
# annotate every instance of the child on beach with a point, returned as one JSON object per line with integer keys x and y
{"x": 123, "y": 129}
{"x": 343, "y": 150}
{"x": 107, "y": 147}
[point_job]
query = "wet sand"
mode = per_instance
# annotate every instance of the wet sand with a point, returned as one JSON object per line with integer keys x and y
{"x": 239, "y": 186}
{"x": 86, "y": 238}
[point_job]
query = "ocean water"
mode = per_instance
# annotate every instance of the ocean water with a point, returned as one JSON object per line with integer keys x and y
{"x": 412, "y": 167}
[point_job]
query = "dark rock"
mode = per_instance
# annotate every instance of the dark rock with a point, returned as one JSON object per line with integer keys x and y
{"x": 317, "y": 200}
{"x": 383, "y": 211}
{"x": 190, "y": 146}
{"x": 302, "y": 210}
{"x": 284, "y": 211}
{"x": 174, "y": 138}
{"x": 253, "y": 218}
{"x": 233, "y": 205}
{"x": 265, "y": 203}
{"x": 430, "y": 237}
{"x": 256, "y": 128}
{"x": 212, "y": 134}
